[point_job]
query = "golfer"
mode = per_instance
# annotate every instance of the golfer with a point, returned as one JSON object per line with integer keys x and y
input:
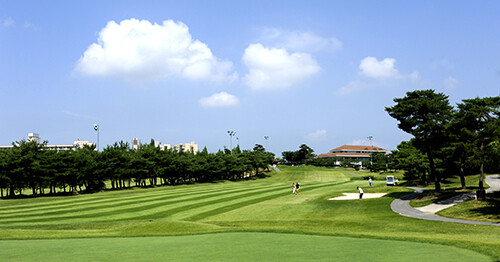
{"x": 298, "y": 187}
{"x": 293, "y": 188}
{"x": 360, "y": 192}
{"x": 370, "y": 180}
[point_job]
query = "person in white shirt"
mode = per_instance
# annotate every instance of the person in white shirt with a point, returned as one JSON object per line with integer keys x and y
{"x": 370, "y": 180}
{"x": 360, "y": 192}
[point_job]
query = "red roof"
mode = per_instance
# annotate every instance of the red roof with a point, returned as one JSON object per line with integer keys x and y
{"x": 347, "y": 151}
{"x": 367, "y": 155}
{"x": 358, "y": 148}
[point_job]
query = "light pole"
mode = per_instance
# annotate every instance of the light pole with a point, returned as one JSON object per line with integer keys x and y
{"x": 231, "y": 134}
{"x": 266, "y": 138}
{"x": 371, "y": 148}
{"x": 96, "y": 128}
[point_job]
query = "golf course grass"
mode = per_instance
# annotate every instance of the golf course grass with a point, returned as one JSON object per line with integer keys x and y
{"x": 246, "y": 221}
{"x": 233, "y": 247}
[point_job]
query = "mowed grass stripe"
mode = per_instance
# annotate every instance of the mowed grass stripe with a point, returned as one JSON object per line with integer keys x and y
{"x": 151, "y": 208}
{"x": 131, "y": 213}
{"x": 254, "y": 195}
{"x": 151, "y": 200}
{"x": 257, "y": 199}
{"x": 111, "y": 208}
{"x": 103, "y": 197}
{"x": 102, "y": 203}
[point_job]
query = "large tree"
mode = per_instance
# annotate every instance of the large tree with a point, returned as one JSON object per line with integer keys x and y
{"x": 302, "y": 155}
{"x": 410, "y": 159}
{"x": 479, "y": 127}
{"x": 424, "y": 114}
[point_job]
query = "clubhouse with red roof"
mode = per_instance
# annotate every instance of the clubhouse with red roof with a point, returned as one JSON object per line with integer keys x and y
{"x": 356, "y": 153}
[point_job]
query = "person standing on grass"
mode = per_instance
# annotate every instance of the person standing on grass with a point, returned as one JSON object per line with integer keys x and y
{"x": 298, "y": 187}
{"x": 293, "y": 188}
{"x": 360, "y": 192}
{"x": 370, "y": 180}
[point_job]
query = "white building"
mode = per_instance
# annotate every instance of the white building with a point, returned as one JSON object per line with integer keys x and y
{"x": 34, "y": 137}
{"x": 356, "y": 153}
{"x": 186, "y": 147}
{"x": 63, "y": 147}
{"x": 136, "y": 143}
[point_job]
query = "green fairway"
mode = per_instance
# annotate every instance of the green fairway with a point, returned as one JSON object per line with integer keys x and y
{"x": 141, "y": 220}
{"x": 232, "y": 247}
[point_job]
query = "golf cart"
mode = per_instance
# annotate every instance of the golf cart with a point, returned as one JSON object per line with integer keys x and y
{"x": 390, "y": 181}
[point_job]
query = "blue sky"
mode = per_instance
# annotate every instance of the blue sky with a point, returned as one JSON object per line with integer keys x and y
{"x": 313, "y": 72}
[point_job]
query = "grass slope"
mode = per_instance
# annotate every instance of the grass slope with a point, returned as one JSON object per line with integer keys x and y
{"x": 232, "y": 247}
{"x": 264, "y": 205}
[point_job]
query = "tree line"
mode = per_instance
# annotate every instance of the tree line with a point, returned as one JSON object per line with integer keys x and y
{"x": 31, "y": 166}
{"x": 447, "y": 140}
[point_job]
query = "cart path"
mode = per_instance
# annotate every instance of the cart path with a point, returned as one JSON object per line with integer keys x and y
{"x": 402, "y": 205}
{"x": 275, "y": 168}
{"x": 351, "y": 174}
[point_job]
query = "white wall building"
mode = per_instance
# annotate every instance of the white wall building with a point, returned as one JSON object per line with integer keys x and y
{"x": 186, "y": 147}
{"x": 136, "y": 143}
{"x": 356, "y": 153}
{"x": 62, "y": 147}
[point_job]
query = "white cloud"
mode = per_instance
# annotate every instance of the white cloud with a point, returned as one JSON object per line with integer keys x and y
{"x": 29, "y": 25}
{"x": 299, "y": 40}
{"x": 384, "y": 73}
{"x": 442, "y": 64}
{"x": 221, "y": 99}
{"x": 318, "y": 135}
{"x": 8, "y": 22}
{"x": 415, "y": 75}
{"x": 371, "y": 67}
{"x": 272, "y": 68}
{"x": 140, "y": 49}
{"x": 450, "y": 83}
{"x": 353, "y": 86}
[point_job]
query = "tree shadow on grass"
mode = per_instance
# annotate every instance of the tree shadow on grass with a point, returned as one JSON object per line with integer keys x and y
{"x": 491, "y": 207}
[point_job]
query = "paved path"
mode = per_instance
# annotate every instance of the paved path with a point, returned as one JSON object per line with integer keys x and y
{"x": 444, "y": 204}
{"x": 352, "y": 174}
{"x": 402, "y": 205}
{"x": 275, "y": 168}
{"x": 493, "y": 182}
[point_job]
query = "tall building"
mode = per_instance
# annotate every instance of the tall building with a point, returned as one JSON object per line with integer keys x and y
{"x": 136, "y": 143}
{"x": 34, "y": 137}
{"x": 187, "y": 147}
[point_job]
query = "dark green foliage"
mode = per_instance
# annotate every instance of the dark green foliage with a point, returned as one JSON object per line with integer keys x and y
{"x": 410, "y": 159}
{"x": 31, "y": 165}
{"x": 326, "y": 161}
{"x": 379, "y": 162}
{"x": 425, "y": 115}
{"x": 301, "y": 156}
{"x": 479, "y": 124}
{"x": 447, "y": 142}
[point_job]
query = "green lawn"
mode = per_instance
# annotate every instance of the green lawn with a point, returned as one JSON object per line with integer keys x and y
{"x": 232, "y": 247}
{"x": 227, "y": 215}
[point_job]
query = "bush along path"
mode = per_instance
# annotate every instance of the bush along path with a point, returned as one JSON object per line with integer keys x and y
{"x": 402, "y": 205}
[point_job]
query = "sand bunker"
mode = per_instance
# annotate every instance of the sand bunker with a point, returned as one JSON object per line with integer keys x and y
{"x": 351, "y": 196}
